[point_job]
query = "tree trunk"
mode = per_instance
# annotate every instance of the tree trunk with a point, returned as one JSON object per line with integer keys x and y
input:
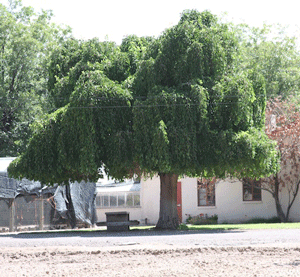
{"x": 168, "y": 216}
{"x": 294, "y": 195}
{"x": 279, "y": 210}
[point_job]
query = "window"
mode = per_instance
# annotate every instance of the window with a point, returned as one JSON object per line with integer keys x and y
{"x": 123, "y": 199}
{"x": 251, "y": 190}
{"x": 206, "y": 192}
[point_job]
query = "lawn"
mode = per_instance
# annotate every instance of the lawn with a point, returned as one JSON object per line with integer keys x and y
{"x": 246, "y": 226}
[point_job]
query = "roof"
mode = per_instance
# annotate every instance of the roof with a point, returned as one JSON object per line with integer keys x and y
{"x": 107, "y": 184}
{"x": 4, "y": 163}
{"x": 128, "y": 186}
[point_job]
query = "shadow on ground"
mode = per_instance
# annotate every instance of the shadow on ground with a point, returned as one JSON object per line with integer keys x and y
{"x": 103, "y": 233}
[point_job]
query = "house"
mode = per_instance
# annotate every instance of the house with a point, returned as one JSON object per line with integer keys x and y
{"x": 118, "y": 196}
{"x": 4, "y": 163}
{"x": 230, "y": 199}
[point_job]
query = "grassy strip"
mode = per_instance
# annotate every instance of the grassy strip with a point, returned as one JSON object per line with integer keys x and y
{"x": 250, "y": 226}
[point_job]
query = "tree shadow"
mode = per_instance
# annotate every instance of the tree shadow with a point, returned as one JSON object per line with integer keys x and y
{"x": 104, "y": 233}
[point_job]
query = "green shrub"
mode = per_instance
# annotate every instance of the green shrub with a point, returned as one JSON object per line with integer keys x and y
{"x": 202, "y": 219}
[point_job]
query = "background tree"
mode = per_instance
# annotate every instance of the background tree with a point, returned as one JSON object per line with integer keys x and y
{"x": 26, "y": 40}
{"x": 275, "y": 54}
{"x": 283, "y": 126}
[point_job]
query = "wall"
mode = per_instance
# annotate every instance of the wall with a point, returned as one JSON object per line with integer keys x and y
{"x": 150, "y": 196}
{"x": 134, "y": 213}
{"x": 148, "y": 212}
{"x": 295, "y": 210}
{"x": 230, "y": 206}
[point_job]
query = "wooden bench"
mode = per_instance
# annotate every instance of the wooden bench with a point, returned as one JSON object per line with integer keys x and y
{"x": 118, "y": 221}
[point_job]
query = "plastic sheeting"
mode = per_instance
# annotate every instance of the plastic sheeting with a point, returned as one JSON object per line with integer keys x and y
{"x": 8, "y": 187}
{"x": 11, "y": 188}
{"x": 83, "y": 198}
{"x": 75, "y": 203}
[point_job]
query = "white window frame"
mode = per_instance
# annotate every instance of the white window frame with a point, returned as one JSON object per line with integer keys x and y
{"x": 100, "y": 200}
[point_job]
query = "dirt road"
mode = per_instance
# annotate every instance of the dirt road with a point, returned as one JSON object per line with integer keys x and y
{"x": 178, "y": 253}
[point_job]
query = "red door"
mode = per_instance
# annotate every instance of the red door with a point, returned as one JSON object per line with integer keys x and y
{"x": 179, "y": 202}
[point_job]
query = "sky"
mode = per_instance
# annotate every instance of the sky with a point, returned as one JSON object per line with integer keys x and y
{"x": 114, "y": 19}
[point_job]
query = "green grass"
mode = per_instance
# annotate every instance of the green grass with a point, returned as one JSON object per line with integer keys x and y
{"x": 224, "y": 227}
{"x": 248, "y": 226}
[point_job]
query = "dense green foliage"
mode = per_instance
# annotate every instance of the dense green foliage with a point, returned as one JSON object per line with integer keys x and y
{"x": 97, "y": 119}
{"x": 74, "y": 57}
{"x": 198, "y": 114}
{"x": 26, "y": 40}
{"x": 187, "y": 109}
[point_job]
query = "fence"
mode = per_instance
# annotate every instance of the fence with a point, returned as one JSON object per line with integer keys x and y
{"x": 26, "y": 213}
{"x": 27, "y": 205}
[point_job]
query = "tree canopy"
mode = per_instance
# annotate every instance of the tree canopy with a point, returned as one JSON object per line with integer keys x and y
{"x": 197, "y": 107}
{"x": 187, "y": 109}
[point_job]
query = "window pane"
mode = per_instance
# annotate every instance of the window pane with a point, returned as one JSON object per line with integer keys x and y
{"x": 121, "y": 200}
{"x": 137, "y": 200}
{"x": 105, "y": 201}
{"x": 98, "y": 203}
{"x": 256, "y": 194}
{"x": 251, "y": 190}
{"x": 129, "y": 200}
{"x": 113, "y": 201}
{"x": 202, "y": 196}
{"x": 247, "y": 194}
{"x": 210, "y": 200}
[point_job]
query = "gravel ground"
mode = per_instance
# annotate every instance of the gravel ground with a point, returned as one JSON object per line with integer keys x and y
{"x": 151, "y": 253}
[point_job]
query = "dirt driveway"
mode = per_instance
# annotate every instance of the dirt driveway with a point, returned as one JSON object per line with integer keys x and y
{"x": 177, "y": 253}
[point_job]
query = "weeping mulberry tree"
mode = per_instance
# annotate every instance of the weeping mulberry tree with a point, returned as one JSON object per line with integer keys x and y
{"x": 187, "y": 110}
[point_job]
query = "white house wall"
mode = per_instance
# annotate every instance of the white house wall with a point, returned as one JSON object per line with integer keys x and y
{"x": 134, "y": 213}
{"x": 295, "y": 210}
{"x": 230, "y": 206}
{"x": 148, "y": 211}
{"x": 150, "y": 196}
{"x": 232, "y": 209}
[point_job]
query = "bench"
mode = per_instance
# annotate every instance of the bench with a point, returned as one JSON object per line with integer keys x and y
{"x": 118, "y": 221}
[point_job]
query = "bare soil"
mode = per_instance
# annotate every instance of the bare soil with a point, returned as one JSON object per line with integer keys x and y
{"x": 161, "y": 261}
